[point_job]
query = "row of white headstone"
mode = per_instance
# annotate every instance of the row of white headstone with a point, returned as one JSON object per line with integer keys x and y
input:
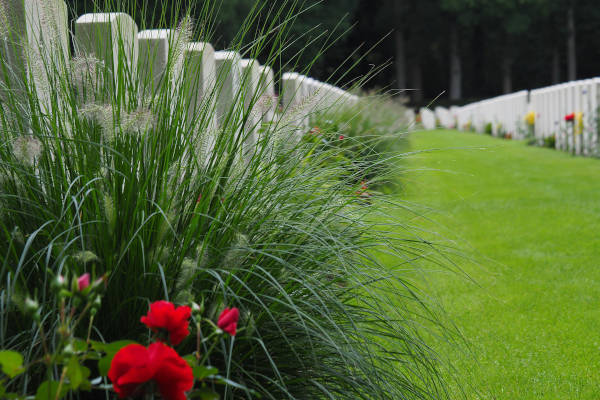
{"x": 567, "y": 112}
{"x": 553, "y": 104}
{"x": 113, "y": 39}
{"x": 440, "y": 116}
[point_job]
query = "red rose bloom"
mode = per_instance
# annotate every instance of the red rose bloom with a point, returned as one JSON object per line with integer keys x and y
{"x": 164, "y": 315}
{"x": 228, "y": 320}
{"x": 134, "y": 365}
{"x": 570, "y": 117}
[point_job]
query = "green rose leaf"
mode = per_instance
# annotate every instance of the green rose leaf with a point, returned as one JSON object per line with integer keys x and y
{"x": 11, "y": 363}
{"x": 200, "y": 371}
{"x": 204, "y": 394}
{"x": 104, "y": 364}
{"x": 79, "y": 345}
{"x": 78, "y": 375}
{"x": 48, "y": 391}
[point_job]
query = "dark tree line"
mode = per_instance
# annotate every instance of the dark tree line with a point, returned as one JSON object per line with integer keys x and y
{"x": 459, "y": 50}
{"x": 469, "y": 49}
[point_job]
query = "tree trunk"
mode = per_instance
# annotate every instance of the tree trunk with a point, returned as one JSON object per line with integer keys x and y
{"x": 416, "y": 81}
{"x": 400, "y": 59}
{"x": 455, "y": 65}
{"x": 506, "y": 75}
{"x": 400, "y": 47}
{"x": 555, "y": 65}
{"x": 571, "y": 53}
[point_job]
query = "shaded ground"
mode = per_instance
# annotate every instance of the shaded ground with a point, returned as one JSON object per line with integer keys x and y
{"x": 529, "y": 220}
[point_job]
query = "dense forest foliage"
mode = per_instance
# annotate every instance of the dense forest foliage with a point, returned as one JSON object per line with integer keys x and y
{"x": 453, "y": 50}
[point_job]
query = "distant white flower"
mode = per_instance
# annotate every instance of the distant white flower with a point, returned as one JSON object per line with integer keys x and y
{"x": 26, "y": 149}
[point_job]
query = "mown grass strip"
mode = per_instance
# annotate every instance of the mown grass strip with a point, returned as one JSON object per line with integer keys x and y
{"x": 523, "y": 223}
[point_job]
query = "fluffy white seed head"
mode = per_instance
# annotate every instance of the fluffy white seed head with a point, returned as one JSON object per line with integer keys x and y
{"x": 138, "y": 121}
{"x": 87, "y": 75}
{"x": 27, "y": 149}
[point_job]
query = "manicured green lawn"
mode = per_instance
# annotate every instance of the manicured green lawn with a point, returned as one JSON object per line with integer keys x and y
{"x": 526, "y": 226}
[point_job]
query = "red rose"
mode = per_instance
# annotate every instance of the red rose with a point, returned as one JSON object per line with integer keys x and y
{"x": 570, "y": 117}
{"x": 134, "y": 365}
{"x": 164, "y": 315}
{"x": 228, "y": 320}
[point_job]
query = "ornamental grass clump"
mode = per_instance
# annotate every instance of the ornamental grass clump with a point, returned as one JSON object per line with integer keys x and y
{"x": 370, "y": 137}
{"x": 112, "y": 174}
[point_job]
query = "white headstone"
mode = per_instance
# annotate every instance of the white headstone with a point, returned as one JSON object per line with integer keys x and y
{"x": 445, "y": 118}
{"x": 251, "y": 93}
{"x": 229, "y": 71}
{"x": 294, "y": 93}
{"x": 595, "y": 117}
{"x": 160, "y": 49}
{"x": 427, "y": 118}
{"x": 34, "y": 44}
{"x": 562, "y": 111}
{"x": 267, "y": 101}
{"x": 112, "y": 39}
{"x": 199, "y": 85}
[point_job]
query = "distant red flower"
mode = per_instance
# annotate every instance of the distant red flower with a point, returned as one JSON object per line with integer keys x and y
{"x": 134, "y": 365}
{"x": 342, "y": 137}
{"x": 164, "y": 316}
{"x": 228, "y": 320}
{"x": 83, "y": 281}
{"x": 570, "y": 117}
{"x": 362, "y": 192}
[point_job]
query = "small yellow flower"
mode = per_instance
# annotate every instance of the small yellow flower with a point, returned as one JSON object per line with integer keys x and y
{"x": 578, "y": 123}
{"x": 530, "y": 118}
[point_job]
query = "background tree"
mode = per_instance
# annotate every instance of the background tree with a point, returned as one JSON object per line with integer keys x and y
{"x": 461, "y": 16}
{"x": 399, "y": 12}
{"x": 460, "y": 49}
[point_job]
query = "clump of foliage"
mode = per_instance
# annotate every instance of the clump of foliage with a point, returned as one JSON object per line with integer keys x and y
{"x": 112, "y": 174}
{"x": 488, "y": 129}
{"x": 550, "y": 142}
{"x": 370, "y": 136}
